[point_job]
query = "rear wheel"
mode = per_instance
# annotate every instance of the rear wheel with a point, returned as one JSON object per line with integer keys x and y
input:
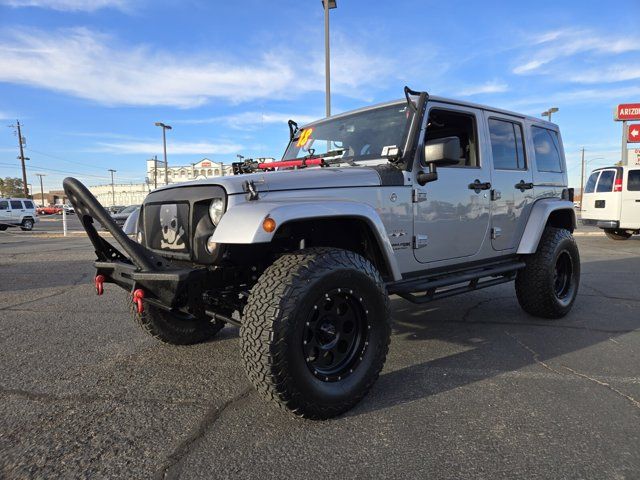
{"x": 172, "y": 329}
{"x": 548, "y": 285}
{"x": 615, "y": 234}
{"x": 27, "y": 224}
{"x": 315, "y": 331}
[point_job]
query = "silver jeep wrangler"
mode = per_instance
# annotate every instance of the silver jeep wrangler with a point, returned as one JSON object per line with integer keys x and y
{"x": 423, "y": 198}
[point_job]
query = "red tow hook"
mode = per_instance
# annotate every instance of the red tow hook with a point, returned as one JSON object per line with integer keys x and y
{"x": 138, "y": 295}
{"x": 100, "y": 284}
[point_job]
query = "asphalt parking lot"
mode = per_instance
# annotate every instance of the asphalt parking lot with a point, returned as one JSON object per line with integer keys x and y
{"x": 473, "y": 387}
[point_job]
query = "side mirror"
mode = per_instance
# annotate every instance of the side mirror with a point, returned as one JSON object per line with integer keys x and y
{"x": 442, "y": 152}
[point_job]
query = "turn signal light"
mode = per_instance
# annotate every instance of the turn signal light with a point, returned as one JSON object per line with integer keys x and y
{"x": 269, "y": 225}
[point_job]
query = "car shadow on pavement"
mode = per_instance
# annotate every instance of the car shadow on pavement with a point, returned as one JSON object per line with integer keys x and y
{"x": 492, "y": 336}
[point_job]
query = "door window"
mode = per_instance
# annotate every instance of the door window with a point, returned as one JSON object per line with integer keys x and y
{"x": 506, "y": 145}
{"x": 547, "y": 150}
{"x": 605, "y": 184}
{"x": 16, "y": 205}
{"x": 590, "y": 187}
{"x": 4, "y": 205}
{"x": 633, "y": 181}
{"x": 446, "y": 123}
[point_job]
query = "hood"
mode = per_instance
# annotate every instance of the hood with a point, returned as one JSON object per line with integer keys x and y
{"x": 293, "y": 179}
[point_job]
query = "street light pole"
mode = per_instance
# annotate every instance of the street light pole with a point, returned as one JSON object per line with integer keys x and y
{"x": 41, "y": 189}
{"x": 327, "y": 4}
{"x": 113, "y": 191}
{"x": 549, "y": 112}
{"x": 582, "y": 180}
{"x": 164, "y": 144}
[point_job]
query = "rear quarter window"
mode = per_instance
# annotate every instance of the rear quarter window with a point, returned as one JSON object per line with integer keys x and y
{"x": 633, "y": 181}
{"x": 28, "y": 204}
{"x": 547, "y": 150}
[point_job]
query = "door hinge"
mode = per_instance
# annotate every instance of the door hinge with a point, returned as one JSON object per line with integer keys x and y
{"x": 496, "y": 232}
{"x": 418, "y": 195}
{"x": 420, "y": 241}
{"x": 496, "y": 195}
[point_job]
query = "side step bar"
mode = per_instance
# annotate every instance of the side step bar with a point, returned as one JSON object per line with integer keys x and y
{"x": 436, "y": 287}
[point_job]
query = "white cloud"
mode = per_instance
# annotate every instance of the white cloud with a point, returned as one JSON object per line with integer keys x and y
{"x": 604, "y": 74}
{"x": 69, "y": 5}
{"x": 251, "y": 120}
{"x": 560, "y": 44}
{"x": 94, "y": 66}
{"x": 150, "y": 148}
{"x": 494, "y": 86}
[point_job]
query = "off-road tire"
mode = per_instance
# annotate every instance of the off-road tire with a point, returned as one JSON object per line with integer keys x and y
{"x": 615, "y": 234}
{"x": 169, "y": 329}
{"x": 275, "y": 321}
{"x": 27, "y": 225}
{"x": 537, "y": 284}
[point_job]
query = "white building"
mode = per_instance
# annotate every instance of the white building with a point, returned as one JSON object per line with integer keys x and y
{"x": 134, "y": 193}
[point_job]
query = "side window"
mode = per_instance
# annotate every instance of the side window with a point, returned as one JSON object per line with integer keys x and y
{"x": 605, "y": 184}
{"x": 446, "y": 123}
{"x": 4, "y": 205}
{"x": 546, "y": 145}
{"x": 633, "y": 182}
{"x": 506, "y": 145}
{"x": 16, "y": 205}
{"x": 590, "y": 187}
{"x": 28, "y": 204}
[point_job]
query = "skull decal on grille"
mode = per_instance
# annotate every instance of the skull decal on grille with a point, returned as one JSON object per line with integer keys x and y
{"x": 172, "y": 231}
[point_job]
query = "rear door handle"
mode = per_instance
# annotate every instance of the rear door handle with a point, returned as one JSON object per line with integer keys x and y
{"x": 477, "y": 186}
{"x": 522, "y": 186}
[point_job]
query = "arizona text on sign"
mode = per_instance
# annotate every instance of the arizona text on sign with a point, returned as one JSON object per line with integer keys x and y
{"x": 628, "y": 111}
{"x": 633, "y": 133}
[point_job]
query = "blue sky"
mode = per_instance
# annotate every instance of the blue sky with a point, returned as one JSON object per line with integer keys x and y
{"x": 88, "y": 79}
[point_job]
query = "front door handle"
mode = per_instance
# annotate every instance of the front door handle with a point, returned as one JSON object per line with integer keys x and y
{"x": 477, "y": 186}
{"x": 522, "y": 186}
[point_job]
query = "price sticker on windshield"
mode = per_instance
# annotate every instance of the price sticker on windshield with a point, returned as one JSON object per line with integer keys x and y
{"x": 304, "y": 137}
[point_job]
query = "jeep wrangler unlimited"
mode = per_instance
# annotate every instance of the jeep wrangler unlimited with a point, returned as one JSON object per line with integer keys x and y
{"x": 423, "y": 198}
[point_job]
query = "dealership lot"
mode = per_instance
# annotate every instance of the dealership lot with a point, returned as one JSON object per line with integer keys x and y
{"x": 473, "y": 387}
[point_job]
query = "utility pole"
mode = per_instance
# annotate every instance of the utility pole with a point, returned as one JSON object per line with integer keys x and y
{"x": 41, "y": 189}
{"x": 155, "y": 171}
{"x": 327, "y": 4}
{"x": 582, "y": 180}
{"x": 164, "y": 144}
{"x": 22, "y": 158}
{"x": 113, "y": 191}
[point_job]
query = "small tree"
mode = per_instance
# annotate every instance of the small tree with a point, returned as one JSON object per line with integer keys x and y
{"x": 11, "y": 187}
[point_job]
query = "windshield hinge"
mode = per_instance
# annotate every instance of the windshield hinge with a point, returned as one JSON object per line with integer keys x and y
{"x": 419, "y": 196}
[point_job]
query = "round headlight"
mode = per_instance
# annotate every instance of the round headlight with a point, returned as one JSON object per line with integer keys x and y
{"x": 216, "y": 210}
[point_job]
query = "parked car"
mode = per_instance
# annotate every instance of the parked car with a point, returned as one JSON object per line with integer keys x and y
{"x": 611, "y": 201}
{"x": 122, "y": 216}
{"x": 423, "y": 197}
{"x": 68, "y": 209}
{"x": 115, "y": 209}
{"x": 49, "y": 210}
{"x": 17, "y": 212}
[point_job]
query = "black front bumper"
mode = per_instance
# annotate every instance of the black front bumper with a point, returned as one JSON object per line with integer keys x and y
{"x": 165, "y": 284}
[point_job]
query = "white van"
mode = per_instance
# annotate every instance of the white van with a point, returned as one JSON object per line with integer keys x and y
{"x": 19, "y": 212}
{"x": 611, "y": 201}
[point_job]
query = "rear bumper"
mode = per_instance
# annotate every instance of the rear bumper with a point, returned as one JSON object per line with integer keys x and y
{"x": 600, "y": 223}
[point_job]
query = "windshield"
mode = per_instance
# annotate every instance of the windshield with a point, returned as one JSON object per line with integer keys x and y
{"x": 357, "y": 137}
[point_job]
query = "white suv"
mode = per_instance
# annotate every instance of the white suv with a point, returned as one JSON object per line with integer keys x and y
{"x": 17, "y": 212}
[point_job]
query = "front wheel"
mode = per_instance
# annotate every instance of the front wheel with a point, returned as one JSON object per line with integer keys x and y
{"x": 615, "y": 234}
{"x": 315, "y": 332}
{"x": 169, "y": 328}
{"x": 548, "y": 285}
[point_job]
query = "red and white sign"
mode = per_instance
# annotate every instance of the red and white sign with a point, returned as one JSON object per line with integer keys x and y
{"x": 628, "y": 111}
{"x": 205, "y": 163}
{"x": 633, "y": 133}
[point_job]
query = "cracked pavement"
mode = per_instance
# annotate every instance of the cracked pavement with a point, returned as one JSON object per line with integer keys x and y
{"x": 473, "y": 387}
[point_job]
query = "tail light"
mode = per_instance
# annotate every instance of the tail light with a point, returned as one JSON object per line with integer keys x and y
{"x": 617, "y": 187}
